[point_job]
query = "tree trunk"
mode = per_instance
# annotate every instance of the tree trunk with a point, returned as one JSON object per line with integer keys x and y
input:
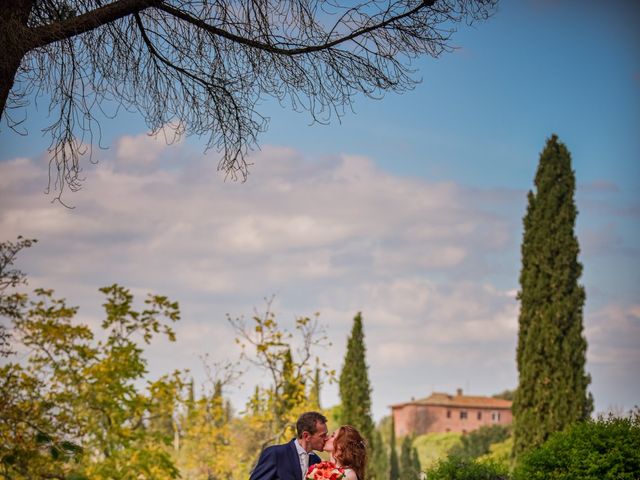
{"x": 14, "y": 34}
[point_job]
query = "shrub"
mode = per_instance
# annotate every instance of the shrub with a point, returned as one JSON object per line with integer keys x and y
{"x": 605, "y": 449}
{"x": 432, "y": 447}
{"x": 458, "y": 468}
{"x": 499, "y": 453}
{"x": 479, "y": 441}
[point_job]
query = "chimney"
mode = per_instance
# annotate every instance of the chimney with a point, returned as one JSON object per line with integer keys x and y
{"x": 459, "y": 392}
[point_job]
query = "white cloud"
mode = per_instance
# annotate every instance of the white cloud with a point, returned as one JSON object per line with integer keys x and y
{"x": 143, "y": 148}
{"x": 432, "y": 266}
{"x": 613, "y": 333}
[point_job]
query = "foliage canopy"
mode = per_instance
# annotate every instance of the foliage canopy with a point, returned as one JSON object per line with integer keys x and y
{"x": 478, "y": 442}
{"x": 409, "y": 462}
{"x": 455, "y": 468}
{"x": 355, "y": 390}
{"x": 605, "y": 449}
{"x": 77, "y": 402}
{"x": 551, "y": 350}
{"x": 73, "y": 409}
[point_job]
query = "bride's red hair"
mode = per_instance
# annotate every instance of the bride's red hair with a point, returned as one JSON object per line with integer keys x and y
{"x": 350, "y": 450}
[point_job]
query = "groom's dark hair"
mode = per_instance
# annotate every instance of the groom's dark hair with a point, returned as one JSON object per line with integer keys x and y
{"x": 308, "y": 421}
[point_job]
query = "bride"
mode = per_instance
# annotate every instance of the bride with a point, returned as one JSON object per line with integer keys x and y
{"x": 348, "y": 450}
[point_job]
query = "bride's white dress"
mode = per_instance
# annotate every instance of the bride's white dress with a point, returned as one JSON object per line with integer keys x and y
{"x": 350, "y": 470}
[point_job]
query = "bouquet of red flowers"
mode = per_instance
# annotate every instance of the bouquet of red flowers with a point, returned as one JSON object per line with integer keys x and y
{"x": 324, "y": 471}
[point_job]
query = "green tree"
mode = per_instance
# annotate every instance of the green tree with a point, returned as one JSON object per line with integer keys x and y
{"x": 316, "y": 386}
{"x": 380, "y": 447}
{"x": 394, "y": 467}
{"x": 479, "y": 441}
{"x": 273, "y": 409}
{"x": 409, "y": 462}
{"x": 379, "y": 457}
{"x": 73, "y": 407}
{"x": 206, "y": 449}
{"x": 551, "y": 351}
{"x": 604, "y": 449}
{"x": 292, "y": 388}
{"x": 454, "y": 468}
{"x": 11, "y": 306}
{"x": 191, "y": 396}
{"x": 355, "y": 392}
{"x": 505, "y": 394}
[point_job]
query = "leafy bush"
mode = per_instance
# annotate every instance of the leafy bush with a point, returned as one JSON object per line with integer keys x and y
{"x": 479, "y": 441}
{"x": 605, "y": 449}
{"x": 499, "y": 453}
{"x": 432, "y": 447}
{"x": 457, "y": 468}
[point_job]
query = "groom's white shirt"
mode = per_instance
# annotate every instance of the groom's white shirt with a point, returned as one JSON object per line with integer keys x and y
{"x": 303, "y": 456}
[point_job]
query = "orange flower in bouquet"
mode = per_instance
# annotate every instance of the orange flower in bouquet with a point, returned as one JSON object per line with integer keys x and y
{"x": 325, "y": 471}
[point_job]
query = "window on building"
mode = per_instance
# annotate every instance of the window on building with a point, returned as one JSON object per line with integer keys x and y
{"x": 479, "y": 415}
{"x": 463, "y": 414}
{"x": 448, "y": 413}
{"x": 495, "y": 416}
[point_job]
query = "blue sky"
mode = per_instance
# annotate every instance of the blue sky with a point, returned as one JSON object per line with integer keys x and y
{"x": 408, "y": 209}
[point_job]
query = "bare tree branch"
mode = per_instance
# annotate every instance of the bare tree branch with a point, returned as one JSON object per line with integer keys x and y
{"x": 292, "y": 51}
{"x": 202, "y": 67}
{"x": 66, "y": 29}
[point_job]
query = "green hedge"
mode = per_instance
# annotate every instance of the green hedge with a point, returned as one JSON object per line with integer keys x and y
{"x": 458, "y": 468}
{"x": 605, "y": 449}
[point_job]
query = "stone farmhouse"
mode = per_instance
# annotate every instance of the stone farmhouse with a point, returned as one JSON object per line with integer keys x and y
{"x": 441, "y": 412}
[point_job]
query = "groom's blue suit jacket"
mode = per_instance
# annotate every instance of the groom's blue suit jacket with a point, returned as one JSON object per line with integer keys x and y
{"x": 280, "y": 462}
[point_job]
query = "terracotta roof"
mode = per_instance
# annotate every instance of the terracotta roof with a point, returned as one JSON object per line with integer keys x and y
{"x": 444, "y": 399}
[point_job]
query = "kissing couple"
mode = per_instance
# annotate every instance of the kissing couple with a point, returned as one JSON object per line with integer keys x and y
{"x": 291, "y": 461}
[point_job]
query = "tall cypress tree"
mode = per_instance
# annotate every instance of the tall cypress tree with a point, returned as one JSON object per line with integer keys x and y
{"x": 551, "y": 351}
{"x": 378, "y": 468}
{"x": 291, "y": 391}
{"x": 394, "y": 467}
{"x": 191, "y": 397}
{"x": 355, "y": 392}
{"x": 409, "y": 461}
{"x": 314, "y": 391}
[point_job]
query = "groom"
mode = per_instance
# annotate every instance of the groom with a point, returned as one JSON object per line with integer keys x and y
{"x": 291, "y": 460}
